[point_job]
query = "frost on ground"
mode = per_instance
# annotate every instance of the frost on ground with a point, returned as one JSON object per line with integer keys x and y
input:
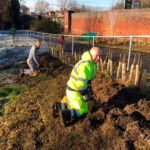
{"x": 12, "y": 54}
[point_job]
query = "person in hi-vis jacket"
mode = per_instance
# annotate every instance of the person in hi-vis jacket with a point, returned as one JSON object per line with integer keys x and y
{"x": 77, "y": 100}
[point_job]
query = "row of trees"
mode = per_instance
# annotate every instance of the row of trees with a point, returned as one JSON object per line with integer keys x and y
{"x": 74, "y": 5}
{"x": 13, "y": 13}
{"x": 42, "y": 6}
{"x": 11, "y": 16}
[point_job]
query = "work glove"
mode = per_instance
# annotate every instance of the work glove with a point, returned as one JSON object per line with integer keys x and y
{"x": 89, "y": 89}
{"x": 86, "y": 97}
{"x": 38, "y": 66}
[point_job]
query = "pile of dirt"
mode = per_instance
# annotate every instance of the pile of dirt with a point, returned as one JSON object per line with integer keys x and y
{"x": 53, "y": 66}
{"x": 126, "y": 114}
{"x": 120, "y": 119}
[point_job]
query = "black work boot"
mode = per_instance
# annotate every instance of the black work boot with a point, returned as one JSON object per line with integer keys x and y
{"x": 59, "y": 107}
{"x": 22, "y": 73}
{"x": 66, "y": 116}
{"x": 56, "y": 109}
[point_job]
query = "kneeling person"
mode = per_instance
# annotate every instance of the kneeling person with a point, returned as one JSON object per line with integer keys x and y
{"x": 79, "y": 87}
{"x": 32, "y": 60}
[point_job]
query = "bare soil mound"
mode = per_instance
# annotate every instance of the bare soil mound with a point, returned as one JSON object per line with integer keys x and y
{"x": 53, "y": 66}
{"x": 120, "y": 119}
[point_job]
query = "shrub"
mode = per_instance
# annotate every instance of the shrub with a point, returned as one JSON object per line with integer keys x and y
{"x": 45, "y": 25}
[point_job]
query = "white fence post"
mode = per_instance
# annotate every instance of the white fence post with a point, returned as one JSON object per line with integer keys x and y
{"x": 93, "y": 41}
{"x": 72, "y": 44}
{"x": 129, "y": 54}
{"x": 50, "y": 40}
{"x": 43, "y": 37}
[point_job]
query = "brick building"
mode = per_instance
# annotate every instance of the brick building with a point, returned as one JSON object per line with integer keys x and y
{"x": 115, "y": 22}
{"x": 55, "y": 16}
{"x": 32, "y": 14}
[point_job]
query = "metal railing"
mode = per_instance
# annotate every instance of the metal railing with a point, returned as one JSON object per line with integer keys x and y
{"x": 72, "y": 40}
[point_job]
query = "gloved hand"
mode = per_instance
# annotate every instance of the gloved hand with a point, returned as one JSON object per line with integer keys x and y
{"x": 90, "y": 105}
{"x": 89, "y": 90}
{"x": 38, "y": 66}
{"x": 86, "y": 97}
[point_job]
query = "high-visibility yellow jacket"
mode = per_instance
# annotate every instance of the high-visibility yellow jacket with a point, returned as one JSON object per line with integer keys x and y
{"x": 82, "y": 74}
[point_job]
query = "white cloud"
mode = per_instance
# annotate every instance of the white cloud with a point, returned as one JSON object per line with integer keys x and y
{"x": 30, "y": 4}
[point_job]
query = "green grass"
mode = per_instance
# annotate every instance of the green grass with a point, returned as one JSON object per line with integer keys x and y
{"x": 130, "y": 85}
{"x": 12, "y": 91}
{"x": 106, "y": 75}
{"x": 59, "y": 48}
{"x": 1, "y": 112}
{"x": 39, "y": 78}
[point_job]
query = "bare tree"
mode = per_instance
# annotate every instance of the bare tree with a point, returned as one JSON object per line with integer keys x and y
{"x": 85, "y": 8}
{"x": 21, "y": 2}
{"x": 24, "y": 9}
{"x": 65, "y": 4}
{"x": 41, "y": 6}
{"x": 119, "y": 5}
{"x": 3, "y": 6}
{"x": 74, "y": 5}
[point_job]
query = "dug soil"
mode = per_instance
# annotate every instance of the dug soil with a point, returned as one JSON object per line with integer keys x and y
{"x": 120, "y": 119}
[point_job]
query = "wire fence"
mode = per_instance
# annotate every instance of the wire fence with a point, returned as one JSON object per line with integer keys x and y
{"x": 75, "y": 45}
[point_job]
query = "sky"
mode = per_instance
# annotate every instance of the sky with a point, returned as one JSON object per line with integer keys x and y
{"x": 103, "y": 4}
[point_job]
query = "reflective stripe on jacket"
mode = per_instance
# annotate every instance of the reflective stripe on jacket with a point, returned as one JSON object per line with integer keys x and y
{"x": 83, "y": 72}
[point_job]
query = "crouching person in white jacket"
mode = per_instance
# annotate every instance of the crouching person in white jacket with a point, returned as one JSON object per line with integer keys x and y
{"x": 32, "y": 60}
